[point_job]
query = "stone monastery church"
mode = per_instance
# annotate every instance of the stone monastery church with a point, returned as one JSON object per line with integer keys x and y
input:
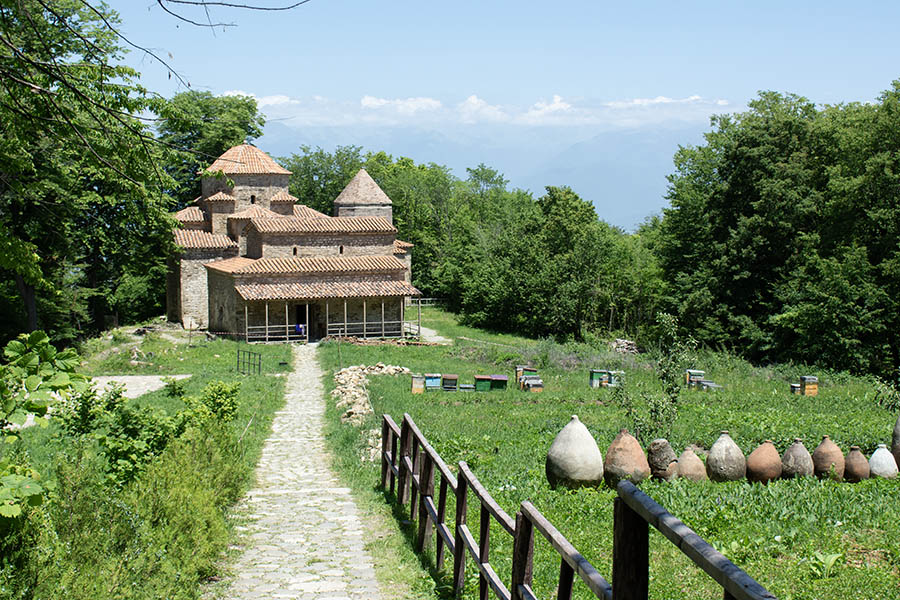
{"x": 256, "y": 264}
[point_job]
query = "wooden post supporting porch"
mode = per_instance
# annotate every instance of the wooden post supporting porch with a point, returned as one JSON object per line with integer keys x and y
{"x": 246, "y": 323}
{"x": 345, "y": 317}
{"x": 382, "y": 317}
{"x": 267, "y": 321}
{"x": 307, "y": 322}
{"x": 365, "y": 328}
{"x": 287, "y": 334}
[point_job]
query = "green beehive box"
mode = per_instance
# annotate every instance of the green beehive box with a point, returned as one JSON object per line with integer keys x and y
{"x": 499, "y": 382}
{"x": 482, "y": 383}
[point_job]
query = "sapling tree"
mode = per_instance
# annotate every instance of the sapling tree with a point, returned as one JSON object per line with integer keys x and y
{"x": 33, "y": 376}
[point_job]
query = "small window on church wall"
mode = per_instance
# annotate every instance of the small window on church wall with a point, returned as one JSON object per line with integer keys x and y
{"x": 252, "y": 199}
{"x": 341, "y": 250}
{"x": 295, "y": 252}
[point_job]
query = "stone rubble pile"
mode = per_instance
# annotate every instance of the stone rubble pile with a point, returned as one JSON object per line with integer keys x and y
{"x": 351, "y": 392}
{"x": 624, "y": 346}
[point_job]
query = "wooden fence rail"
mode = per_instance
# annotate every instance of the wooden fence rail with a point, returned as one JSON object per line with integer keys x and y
{"x": 409, "y": 466}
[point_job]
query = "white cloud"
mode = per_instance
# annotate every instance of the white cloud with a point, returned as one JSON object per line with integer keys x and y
{"x": 404, "y": 106}
{"x": 473, "y": 110}
{"x": 423, "y": 111}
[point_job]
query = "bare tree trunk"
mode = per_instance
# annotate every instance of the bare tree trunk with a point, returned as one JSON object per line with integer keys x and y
{"x": 26, "y": 290}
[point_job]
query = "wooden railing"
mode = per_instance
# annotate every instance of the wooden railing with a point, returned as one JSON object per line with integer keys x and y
{"x": 276, "y": 333}
{"x": 408, "y": 468}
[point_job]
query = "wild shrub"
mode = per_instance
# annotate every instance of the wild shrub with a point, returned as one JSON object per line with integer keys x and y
{"x": 132, "y": 438}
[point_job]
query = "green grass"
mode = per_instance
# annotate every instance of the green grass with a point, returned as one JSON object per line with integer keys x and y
{"x": 773, "y": 532}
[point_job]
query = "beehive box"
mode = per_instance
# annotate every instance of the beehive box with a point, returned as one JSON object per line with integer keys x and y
{"x": 692, "y": 377}
{"x": 795, "y": 388}
{"x": 499, "y": 382}
{"x": 466, "y": 387}
{"x": 598, "y": 378}
{"x": 449, "y": 382}
{"x": 432, "y": 382}
{"x": 418, "y": 384}
{"x": 616, "y": 378}
{"x": 482, "y": 383}
{"x": 809, "y": 385}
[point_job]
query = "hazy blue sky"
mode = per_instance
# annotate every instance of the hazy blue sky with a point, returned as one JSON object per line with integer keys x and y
{"x": 597, "y": 95}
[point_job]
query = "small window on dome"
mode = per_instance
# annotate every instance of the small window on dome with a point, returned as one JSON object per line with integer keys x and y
{"x": 252, "y": 199}
{"x": 341, "y": 250}
{"x": 295, "y": 251}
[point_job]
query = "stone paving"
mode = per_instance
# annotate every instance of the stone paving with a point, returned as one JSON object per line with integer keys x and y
{"x": 303, "y": 538}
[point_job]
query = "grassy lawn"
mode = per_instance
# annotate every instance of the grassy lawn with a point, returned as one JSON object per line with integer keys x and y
{"x": 781, "y": 534}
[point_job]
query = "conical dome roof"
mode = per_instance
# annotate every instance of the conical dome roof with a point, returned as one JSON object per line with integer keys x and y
{"x": 362, "y": 189}
{"x": 247, "y": 159}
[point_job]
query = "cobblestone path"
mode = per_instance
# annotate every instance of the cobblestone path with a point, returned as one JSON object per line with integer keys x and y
{"x": 303, "y": 538}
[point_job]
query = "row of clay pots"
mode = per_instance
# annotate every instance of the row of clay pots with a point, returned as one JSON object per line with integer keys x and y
{"x": 574, "y": 460}
{"x": 726, "y": 462}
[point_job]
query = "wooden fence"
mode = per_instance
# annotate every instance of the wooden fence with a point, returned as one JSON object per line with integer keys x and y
{"x": 409, "y": 466}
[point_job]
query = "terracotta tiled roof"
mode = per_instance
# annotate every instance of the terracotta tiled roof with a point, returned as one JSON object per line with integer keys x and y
{"x": 246, "y": 160}
{"x": 191, "y": 214}
{"x": 309, "y": 264}
{"x": 282, "y": 196}
{"x": 400, "y": 247}
{"x": 255, "y": 211}
{"x": 193, "y": 238}
{"x": 349, "y": 289}
{"x": 304, "y": 212}
{"x": 362, "y": 189}
{"x": 220, "y": 197}
{"x": 330, "y": 225}
{"x": 231, "y": 265}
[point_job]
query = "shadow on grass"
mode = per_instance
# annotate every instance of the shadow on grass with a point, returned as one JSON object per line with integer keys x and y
{"x": 443, "y": 579}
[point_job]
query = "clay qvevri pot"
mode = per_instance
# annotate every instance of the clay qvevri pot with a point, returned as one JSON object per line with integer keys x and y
{"x": 690, "y": 466}
{"x": 660, "y": 456}
{"x": 574, "y": 460}
{"x": 828, "y": 460}
{"x": 856, "y": 467}
{"x": 881, "y": 465}
{"x": 625, "y": 460}
{"x": 797, "y": 461}
{"x": 725, "y": 462}
{"x": 764, "y": 463}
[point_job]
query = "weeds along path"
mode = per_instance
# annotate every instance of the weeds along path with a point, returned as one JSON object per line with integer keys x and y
{"x": 302, "y": 536}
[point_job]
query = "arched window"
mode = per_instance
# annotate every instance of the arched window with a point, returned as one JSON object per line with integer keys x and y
{"x": 341, "y": 250}
{"x": 252, "y": 199}
{"x": 295, "y": 251}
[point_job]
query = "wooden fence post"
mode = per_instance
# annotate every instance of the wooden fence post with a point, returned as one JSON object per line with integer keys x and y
{"x": 631, "y": 554}
{"x": 523, "y": 556}
{"x": 405, "y": 439}
{"x": 385, "y": 444}
{"x": 484, "y": 551}
{"x": 416, "y": 461}
{"x": 442, "y": 516}
{"x": 426, "y": 490}
{"x": 459, "y": 547}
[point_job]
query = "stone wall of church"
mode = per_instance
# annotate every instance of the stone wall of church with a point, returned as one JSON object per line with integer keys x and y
{"x": 288, "y": 245}
{"x": 224, "y": 304}
{"x": 173, "y": 290}
{"x": 365, "y": 210}
{"x": 194, "y": 291}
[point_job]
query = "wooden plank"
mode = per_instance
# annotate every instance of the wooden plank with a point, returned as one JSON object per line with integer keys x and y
{"x": 484, "y": 549}
{"x": 585, "y": 570}
{"x": 485, "y": 571}
{"x": 523, "y": 555}
{"x": 439, "y": 520}
{"x": 416, "y": 465}
{"x": 566, "y": 581}
{"x": 405, "y": 439}
{"x": 486, "y": 500}
{"x": 459, "y": 556}
{"x": 423, "y": 539}
{"x": 392, "y": 425}
{"x": 526, "y": 593}
{"x": 631, "y": 554}
{"x": 385, "y": 452}
{"x": 733, "y": 579}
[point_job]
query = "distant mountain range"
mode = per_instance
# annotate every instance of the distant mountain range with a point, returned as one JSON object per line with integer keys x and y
{"x": 623, "y": 172}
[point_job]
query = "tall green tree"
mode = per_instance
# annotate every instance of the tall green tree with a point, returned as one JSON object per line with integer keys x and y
{"x": 197, "y": 127}
{"x": 69, "y": 144}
